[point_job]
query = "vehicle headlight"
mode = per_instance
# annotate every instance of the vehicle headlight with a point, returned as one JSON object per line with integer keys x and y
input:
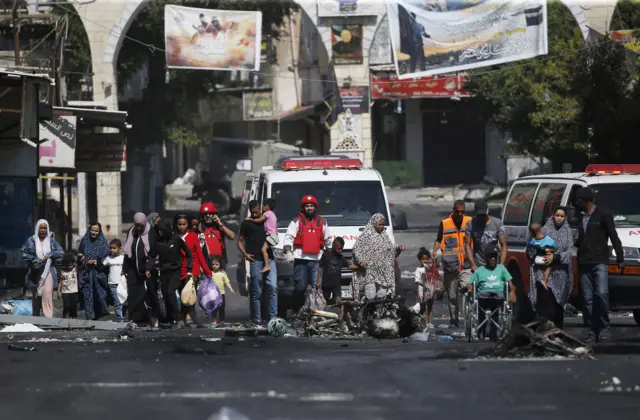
{"x": 629, "y": 253}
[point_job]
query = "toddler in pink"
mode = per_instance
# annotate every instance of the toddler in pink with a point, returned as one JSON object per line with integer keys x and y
{"x": 270, "y": 227}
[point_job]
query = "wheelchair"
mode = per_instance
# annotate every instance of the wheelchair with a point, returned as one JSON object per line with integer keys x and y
{"x": 497, "y": 313}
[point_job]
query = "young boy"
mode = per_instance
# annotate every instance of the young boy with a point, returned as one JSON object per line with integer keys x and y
{"x": 270, "y": 227}
{"x": 491, "y": 280}
{"x": 330, "y": 271}
{"x": 222, "y": 280}
{"x": 68, "y": 286}
{"x": 114, "y": 264}
{"x": 539, "y": 246}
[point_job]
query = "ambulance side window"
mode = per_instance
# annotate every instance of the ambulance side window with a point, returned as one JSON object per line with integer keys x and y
{"x": 262, "y": 189}
{"x": 516, "y": 212}
{"x": 549, "y": 198}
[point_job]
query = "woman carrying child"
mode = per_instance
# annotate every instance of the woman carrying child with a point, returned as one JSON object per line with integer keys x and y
{"x": 551, "y": 281}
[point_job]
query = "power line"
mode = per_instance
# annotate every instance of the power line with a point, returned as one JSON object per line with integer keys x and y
{"x": 152, "y": 48}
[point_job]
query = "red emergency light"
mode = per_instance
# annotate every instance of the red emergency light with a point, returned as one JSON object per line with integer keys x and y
{"x": 293, "y": 165}
{"x": 613, "y": 169}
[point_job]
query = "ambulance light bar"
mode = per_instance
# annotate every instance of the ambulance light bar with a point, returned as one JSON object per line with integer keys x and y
{"x": 613, "y": 169}
{"x": 293, "y": 165}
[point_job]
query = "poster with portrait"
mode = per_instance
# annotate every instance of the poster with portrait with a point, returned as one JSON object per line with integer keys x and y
{"x": 346, "y": 44}
{"x": 438, "y": 37}
{"x": 210, "y": 39}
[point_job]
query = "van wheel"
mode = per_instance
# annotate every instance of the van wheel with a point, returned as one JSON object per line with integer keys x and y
{"x": 636, "y": 316}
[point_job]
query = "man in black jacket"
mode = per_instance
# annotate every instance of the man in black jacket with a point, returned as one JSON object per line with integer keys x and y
{"x": 596, "y": 229}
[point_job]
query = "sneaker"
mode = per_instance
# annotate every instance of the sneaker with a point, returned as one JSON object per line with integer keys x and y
{"x": 604, "y": 336}
{"x": 589, "y": 337}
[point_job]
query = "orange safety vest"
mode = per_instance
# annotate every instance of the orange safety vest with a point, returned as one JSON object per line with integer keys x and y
{"x": 452, "y": 245}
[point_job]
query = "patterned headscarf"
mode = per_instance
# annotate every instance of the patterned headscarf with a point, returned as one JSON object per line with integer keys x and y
{"x": 97, "y": 248}
{"x": 377, "y": 252}
{"x": 152, "y": 218}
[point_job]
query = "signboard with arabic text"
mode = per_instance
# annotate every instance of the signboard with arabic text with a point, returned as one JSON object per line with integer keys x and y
{"x": 58, "y": 142}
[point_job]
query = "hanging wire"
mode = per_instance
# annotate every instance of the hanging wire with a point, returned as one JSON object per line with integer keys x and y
{"x": 532, "y": 61}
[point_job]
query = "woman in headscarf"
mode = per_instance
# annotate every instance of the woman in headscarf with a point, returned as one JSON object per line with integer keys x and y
{"x": 41, "y": 252}
{"x": 142, "y": 290}
{"x": 549, "y": 303}
{"x": 154, "y": 220}
{"x": 375, "y": 254}
{"x": 92, "y": 279}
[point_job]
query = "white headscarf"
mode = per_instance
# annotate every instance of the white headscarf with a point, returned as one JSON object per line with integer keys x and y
{"x": 43, "y": 248}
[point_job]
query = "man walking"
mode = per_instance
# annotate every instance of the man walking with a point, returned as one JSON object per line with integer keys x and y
{"x": 483, "y": 233}
{"x": 212, "y": 234}
{"x": 306, "y": 237}
{"x": 251, "y": 239}
{"x": 594, "y": 233}
{"x": 457, "y": 269}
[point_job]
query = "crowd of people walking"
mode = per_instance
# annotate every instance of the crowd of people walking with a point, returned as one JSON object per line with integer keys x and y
{"x": 144, "y": 278}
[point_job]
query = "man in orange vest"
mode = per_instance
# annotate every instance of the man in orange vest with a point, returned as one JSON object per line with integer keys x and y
{"x": 306, "y": 238}
{"x": 457, "y": 269}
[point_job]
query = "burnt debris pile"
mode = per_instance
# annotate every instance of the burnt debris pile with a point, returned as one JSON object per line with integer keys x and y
{"x": 538, "y": 339}
{"x": 380, "y": 318}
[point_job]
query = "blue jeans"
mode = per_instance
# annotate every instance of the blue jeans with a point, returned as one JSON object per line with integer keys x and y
{"x": 305, "y": 273}
{"x": 594, "y": 282}
{"x": 117, "y": 305}
{"x": 271, "y": 280}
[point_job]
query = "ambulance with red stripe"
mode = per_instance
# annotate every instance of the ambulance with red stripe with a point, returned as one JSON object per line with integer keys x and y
{"x": 616, "y": 188}
{"x": 347, "y": 194}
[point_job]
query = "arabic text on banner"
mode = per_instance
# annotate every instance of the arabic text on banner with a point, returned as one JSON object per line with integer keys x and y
{"x": 459, "y": 35}
{"x": 211, "y": 39}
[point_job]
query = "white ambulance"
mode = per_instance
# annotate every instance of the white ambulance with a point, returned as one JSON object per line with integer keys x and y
{"x": 348, "y": 196}
{"x": 616, "y": 187}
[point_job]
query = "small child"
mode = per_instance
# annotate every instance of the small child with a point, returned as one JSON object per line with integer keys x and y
{"x": 539, "y": 246}
{"x": 114, "y": 264}
{"x": 330, "y": 271}
{"x": 425, "y": 290}
{"x": 270, "y": 227}
{"x": 221, "y": 279}
{"x": 68, "y": 286}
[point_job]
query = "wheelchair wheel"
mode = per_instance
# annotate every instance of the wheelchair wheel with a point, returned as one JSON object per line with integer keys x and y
{"x": 469, "y": 324}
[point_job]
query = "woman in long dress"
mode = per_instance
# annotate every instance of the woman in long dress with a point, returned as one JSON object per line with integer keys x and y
{"x": 549, "y": 303}
{"x": 93, "y": 282}
{"x": 41, "y": 252}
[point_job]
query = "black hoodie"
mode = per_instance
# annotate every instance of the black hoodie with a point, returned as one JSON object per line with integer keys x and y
{"x": 168, "y": 251}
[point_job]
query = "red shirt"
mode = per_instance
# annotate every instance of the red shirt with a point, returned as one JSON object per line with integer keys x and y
{"x": 199, "y": 262}
{"x": 214, "y": 240}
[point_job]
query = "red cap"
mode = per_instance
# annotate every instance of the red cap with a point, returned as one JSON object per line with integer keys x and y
{"x": 309, "y": 199}
{"x": 208, "y": 208}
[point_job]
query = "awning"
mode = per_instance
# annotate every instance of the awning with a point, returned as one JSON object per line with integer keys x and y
{"x": 299, "y": 112}
{"x": 96, "y": 117}
{"x": 8, "y": 75}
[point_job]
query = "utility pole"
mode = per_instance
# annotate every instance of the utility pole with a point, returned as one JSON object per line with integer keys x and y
{"x": 15, "y": 16}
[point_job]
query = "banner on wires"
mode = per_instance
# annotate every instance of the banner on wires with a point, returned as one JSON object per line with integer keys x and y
{"x": 431, "y": 38}
{"x": 210, "y": 39}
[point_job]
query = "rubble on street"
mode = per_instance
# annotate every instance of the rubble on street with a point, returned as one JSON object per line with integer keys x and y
{"x": 539, "y": 339}
{"x": 380, "y": 318}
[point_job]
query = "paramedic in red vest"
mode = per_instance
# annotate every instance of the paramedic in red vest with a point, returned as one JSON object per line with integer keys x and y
{"x": 306, "y": 237}
{"x": 213, "y": 233}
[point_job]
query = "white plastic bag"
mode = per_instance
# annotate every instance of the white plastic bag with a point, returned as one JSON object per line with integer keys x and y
{"x": 315, "y": 300}
{"x": 123, "y": 292}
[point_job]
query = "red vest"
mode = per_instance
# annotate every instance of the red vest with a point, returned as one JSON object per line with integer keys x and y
{"x": 214, "y": 241}
{"x": 310, "y": 237}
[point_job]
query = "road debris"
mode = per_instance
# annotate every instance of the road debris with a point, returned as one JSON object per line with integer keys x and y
{"x": 21, "y": 328}
{"x": 539, "y": 339}
{"x": 14, "y": 347}
{"x": 380, "y": 318}
{"x": 615, "y": 385}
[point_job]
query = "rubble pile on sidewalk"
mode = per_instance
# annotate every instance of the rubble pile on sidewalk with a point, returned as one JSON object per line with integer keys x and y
{"x": 539, "y": 339}
{"x": 380, "y": 318}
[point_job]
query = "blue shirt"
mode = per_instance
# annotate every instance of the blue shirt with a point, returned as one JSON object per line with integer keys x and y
{"x": 542, "y": 244}
{"x": 586, "y": 218}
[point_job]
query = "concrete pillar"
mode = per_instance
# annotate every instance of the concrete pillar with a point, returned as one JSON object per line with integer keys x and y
{"x": 414, "y": 138}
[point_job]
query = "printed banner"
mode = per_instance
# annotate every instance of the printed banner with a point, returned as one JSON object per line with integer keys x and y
{"x": 331, "y": 8}
{"x": 355, "y": 99}
{"x": 628, "y": 38}
{"x": 257, "y": 106}
{"x": 385, "y": 85}
{"x": 212, "y": 39}
{"x": 58, "y": 143}
{"x": 346, "y": 44}
{"x": 432, "y": 38}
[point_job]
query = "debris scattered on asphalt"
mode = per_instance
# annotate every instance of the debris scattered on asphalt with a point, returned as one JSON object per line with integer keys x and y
{"x": 615, "y": 385}
{"x": 380, "y": 318}
{"x": 211, "y": 339}
{"x": 227, "y": 413}
{"x": 539, "y": 339}
{"x": 14, "y": 347}
{"x": 21, "y": 328}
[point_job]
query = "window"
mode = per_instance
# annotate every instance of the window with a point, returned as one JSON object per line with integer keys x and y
{"x": 572, "y": 194}
{"x": 621, "y": 200}
{"x": 342, "y": 203}
{"x": 549, "y": 197}
{"x": 516, "y": 212}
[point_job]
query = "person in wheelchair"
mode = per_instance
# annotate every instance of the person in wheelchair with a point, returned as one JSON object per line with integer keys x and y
{"x": 491, "y": 284}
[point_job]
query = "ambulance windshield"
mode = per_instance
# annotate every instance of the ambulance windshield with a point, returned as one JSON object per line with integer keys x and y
{"x": 621, "y": 200}
{"x": 342, "y": 203}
